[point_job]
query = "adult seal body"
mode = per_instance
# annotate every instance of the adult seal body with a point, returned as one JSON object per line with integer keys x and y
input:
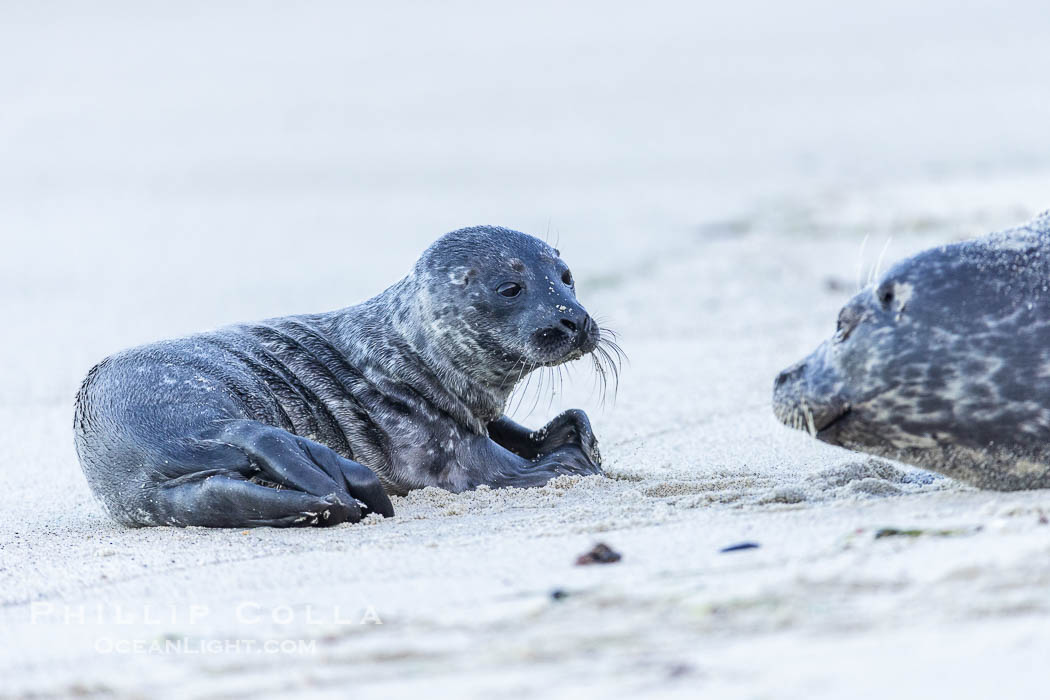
{"x": 313, "y": 419}
{"x": 944, "y": 363}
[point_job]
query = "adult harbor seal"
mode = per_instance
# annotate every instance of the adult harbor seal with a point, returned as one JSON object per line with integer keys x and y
{"x": 312, "y": 419}
{"x": 944, "y": 363}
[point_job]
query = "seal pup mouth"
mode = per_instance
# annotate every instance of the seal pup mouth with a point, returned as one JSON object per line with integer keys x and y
{"x": 565, "y": 342}
{"x": 553, "y": 348}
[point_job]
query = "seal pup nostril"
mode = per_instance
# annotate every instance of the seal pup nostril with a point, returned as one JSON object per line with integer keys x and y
{"x": 569, "y": 324}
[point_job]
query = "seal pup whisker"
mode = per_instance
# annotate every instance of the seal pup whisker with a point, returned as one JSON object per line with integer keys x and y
{"x": 557, "y": 385}
{"x": 520, "y": 390}
{"x": 609, "y": 339}
{"x": 602, "y": 375}
{"x": 596, "y": 377}
{"x": 543, "y": 375}
{"x": 503, "y": 384}
{"x": 609, "y": 357}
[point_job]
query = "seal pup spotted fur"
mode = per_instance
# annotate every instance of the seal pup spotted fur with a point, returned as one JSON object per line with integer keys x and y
{"x": 314, "y": 419}
{"x": 944, "y": 363}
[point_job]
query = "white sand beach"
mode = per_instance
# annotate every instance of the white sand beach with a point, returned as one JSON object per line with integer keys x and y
{"x": 721, "y": 182}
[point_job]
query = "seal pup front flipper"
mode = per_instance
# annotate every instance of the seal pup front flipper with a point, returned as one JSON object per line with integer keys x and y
{"x": 571, "y": 427}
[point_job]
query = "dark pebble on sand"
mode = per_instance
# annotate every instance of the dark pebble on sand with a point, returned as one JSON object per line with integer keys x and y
{"x": 600, "y": 554}
{"x": 739, "y": 547}
{"x": 917, "y": 532}
{"x": 837, "y": 285}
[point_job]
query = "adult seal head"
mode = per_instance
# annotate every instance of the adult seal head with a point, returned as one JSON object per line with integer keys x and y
{"x": 313, "y": 419}
{"x": 943, "y": 364}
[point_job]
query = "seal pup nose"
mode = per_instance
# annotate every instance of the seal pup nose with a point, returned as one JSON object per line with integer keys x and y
{"x": 582, "y": 328}
{"x": 589, "y": 334}
{"x": 579, "y": 325}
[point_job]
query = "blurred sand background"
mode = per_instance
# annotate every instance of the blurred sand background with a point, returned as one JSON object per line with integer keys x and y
{"x": 710, "y": 174}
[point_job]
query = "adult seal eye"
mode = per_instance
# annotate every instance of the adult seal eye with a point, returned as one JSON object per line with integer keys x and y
{"x": 510, "y": 289}
{"x": 885, "y": 296}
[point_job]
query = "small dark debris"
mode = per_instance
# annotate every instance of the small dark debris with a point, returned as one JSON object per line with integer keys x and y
{"x": 915, "y": 532}
{"x": 739, "y": 547}
{"x": 727, "y": 229}
{"x": 895, "y": 532}
{"x": 600, "y": 554}
{"x": 559, "y": 594}
{"x": 680, "y": 670}
{"x": 837, "y": 285}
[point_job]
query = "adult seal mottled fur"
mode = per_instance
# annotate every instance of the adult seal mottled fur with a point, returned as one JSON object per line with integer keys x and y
{"x": 944, "y": 363}
{"x": 313, "y": 419}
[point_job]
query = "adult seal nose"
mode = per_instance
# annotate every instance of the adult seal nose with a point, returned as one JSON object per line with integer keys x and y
{"x": 790, "y": 374}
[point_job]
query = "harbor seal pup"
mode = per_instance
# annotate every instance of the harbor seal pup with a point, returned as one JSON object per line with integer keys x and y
{"x": 944, "y": 363}
{"x": 313, "y": 419}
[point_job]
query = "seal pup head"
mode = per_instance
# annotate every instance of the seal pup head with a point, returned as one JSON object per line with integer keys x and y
{"x": 495, "y": 304}
{"x": 944, "y": 363}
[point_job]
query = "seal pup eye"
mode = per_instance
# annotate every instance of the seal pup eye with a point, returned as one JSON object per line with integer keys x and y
{"x": 509, "y": 289}
{"x": 566, "y": 277}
